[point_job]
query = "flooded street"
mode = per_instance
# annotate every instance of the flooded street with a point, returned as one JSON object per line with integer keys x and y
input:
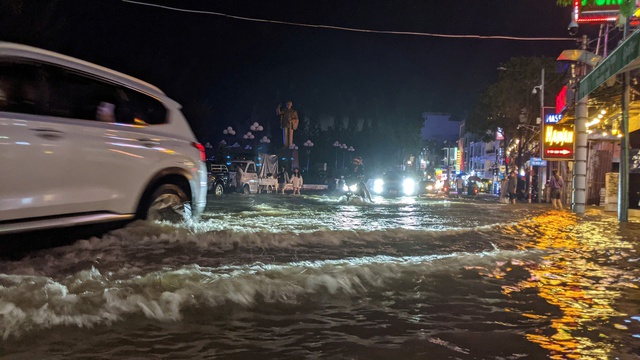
{"x": 307, "y": 277}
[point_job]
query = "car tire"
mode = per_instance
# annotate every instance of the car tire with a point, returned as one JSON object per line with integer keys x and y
{"x": 218, "y": 189}
{"x": 246, "y": 190}
{"x": 168, "y": 202}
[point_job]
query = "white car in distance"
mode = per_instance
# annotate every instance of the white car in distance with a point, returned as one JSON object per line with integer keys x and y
{"x": 82, "y": 144}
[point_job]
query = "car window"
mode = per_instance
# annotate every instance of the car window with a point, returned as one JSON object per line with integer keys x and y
{"x": 252, "y": 168}
{"x": 20, "y": 89}
{"x": 46, "y": 89}
{"x": 79, "y": 96}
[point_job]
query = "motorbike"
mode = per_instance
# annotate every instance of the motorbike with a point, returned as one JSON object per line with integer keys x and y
{"x": 355, "y": 186}
{"x": 446, "y": 189}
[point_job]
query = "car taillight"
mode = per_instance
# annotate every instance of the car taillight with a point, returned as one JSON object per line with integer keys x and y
{"x": 203, "y": 155}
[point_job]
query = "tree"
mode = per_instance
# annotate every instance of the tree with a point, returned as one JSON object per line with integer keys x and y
{"x": 509, "y": 103}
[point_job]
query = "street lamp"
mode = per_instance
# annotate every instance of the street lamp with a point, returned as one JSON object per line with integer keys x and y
{"x": 541, "y": 124}
{"x": 343, "y": 147}
{"x": 308, "y": 145}
{"x": 229, "y": 131}
{"x": 337, "y": 145}
{"x": 446, "y": 143}
{"x": 264, "y": 141}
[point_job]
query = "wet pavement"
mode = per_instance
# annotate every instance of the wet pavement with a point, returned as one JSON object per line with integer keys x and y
{"x": 315, "y": 276}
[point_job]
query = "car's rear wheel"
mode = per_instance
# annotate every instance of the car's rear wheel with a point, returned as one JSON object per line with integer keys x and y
{"x": 218, "y": 189}
{"x": 168, "y": 203}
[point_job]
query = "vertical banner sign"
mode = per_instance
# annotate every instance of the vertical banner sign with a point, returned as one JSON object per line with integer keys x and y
{"x": 557, "y": 140}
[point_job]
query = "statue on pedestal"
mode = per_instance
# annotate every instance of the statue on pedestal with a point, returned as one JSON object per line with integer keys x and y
{"x": 288, "y": 122}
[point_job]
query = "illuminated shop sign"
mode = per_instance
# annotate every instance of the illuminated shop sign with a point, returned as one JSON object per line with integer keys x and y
{"x": 558, "y": 142}
{"x": 596, "y": 11}
{"x": 550, "y": 117}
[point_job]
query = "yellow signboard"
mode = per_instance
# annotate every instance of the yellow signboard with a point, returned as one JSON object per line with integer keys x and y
{"x": 558, "y": 142}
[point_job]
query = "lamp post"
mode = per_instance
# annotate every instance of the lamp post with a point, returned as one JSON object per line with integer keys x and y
{"x": 542, "y": 172}
{"x": 343, "y": 147}
{"x": 264, "y": 141}
{"x": 308, "y": 145}
{"x": 446, "y": 144}
{"x": 336, "y": 145}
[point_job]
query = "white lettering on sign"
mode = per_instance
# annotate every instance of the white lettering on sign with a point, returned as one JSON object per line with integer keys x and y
{"x": 553, "y": 118}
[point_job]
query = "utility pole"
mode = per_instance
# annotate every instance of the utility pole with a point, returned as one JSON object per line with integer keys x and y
{"x": 623, "y": 182}
{"x": 541, "y": 169}
{"x": 580, "y": 166}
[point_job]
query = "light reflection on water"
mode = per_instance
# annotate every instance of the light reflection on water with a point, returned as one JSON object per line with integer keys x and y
{"x": 583, "y": 287}
{"x": 315, "y": 277}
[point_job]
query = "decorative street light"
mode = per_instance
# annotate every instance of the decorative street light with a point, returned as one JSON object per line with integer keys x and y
{"x": 264, "y": 141}
{"x": 308, "y": 145}
{"x": 248, "y": 136}
{"x": 229, "y": 131}
{"x": 337, "y": 146}
{"x": 343, "y": 147}
{"x": 541, "y": 172}
{"x": 256, "y": 127}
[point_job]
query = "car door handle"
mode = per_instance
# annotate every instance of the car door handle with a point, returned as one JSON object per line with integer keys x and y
{"x": 49, "y": 134}
{"x": 148, "y": 142}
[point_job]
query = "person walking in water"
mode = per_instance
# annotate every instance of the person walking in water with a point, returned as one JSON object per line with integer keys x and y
{"x": 283, "y": 179}
{"x": 556, "y": 183}
{"x": 459, "y": 186}
{"x": 513, "y": 187}
{"x": 296, "y": 181}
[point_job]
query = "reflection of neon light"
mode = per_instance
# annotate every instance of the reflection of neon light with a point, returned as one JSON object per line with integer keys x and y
{"x": 127, "y": 153}
{"x": 584, "y": 291}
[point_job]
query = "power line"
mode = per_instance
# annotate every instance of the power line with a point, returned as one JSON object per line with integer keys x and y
{"x": 341, "y": 28}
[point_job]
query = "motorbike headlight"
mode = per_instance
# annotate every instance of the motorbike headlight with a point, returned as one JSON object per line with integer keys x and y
{"x": 345, "y": 187}
{"x": 408, "y": 186}
{"x": 353, "y": 188}
{"x": 429, "y": 187}
{"x": 378, "y": 185}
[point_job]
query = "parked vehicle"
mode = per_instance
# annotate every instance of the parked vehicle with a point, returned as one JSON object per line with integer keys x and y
{"x": 88, "y": 144}
{"x": 255, "y": 180}
{"x": 219, "y": 179}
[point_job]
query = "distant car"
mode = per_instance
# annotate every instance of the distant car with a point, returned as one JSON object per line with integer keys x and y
{"x": 84, "y": 144}
{"x": 428, "y": 187}
{"x": 219, "y": 179}
{"x": 394, "y": 183}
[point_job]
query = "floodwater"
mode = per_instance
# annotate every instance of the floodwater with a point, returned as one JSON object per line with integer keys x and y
{"x": 315, "y": 277}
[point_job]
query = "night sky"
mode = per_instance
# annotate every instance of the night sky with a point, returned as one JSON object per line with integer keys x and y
{"x": 240, "y": 70}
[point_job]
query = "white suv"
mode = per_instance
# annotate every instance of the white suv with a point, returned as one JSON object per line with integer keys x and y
{"x": 81, "y": 144}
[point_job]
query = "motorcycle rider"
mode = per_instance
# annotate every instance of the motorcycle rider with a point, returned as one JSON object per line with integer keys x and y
{"x": 357, "y": 175}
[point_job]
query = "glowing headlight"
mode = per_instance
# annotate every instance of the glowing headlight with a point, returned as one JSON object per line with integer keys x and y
{"x": 429, "y": 187}
{"x": 345, "y": 187}
{"x": 353, "y": 188}
{"x": 378, "y": 186}
{"x": 408, "y": 186}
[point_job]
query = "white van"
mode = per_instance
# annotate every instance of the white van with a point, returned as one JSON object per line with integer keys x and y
{"x": 81, "y": 144}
